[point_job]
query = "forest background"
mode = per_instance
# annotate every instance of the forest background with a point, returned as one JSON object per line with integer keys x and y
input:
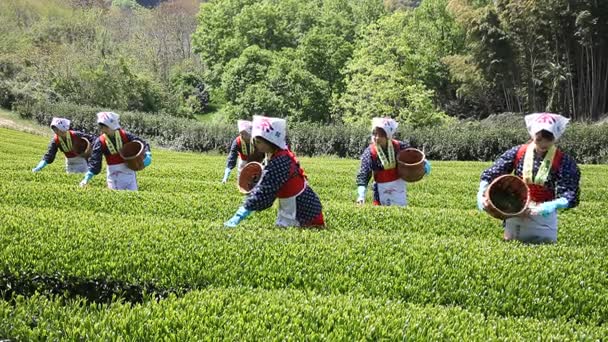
{"x": 442, "y": 68}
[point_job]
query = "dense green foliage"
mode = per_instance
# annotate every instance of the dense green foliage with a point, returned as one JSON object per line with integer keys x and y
{"x": 436, "y": 269}
{"x": 93, "y": 264}
{"x": 351, "y": 60}
{"x": 122, "y": 57}
{"x": 327, "y": 60}
{"x": 423, "y": 63}
{"x": 534, "y": 55}
{"x": 258, "y": 314}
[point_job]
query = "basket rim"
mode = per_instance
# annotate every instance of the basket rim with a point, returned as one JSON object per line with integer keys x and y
{"x": 238, "y": 183}
{"x": 86, "y": 149}
{"x": 412, "y": 164}
{"x": 87, "y": 140}
{"x": 253, "y": 163}
{"x": 502, "y": 212}
{"x": 141, "y": 147}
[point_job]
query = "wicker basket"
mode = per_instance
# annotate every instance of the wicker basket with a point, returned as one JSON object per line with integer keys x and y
{"x": 411, "y": 164}
{"x": 133, "y": 154}
{"x": 508, "y": 196}
{"x": 82, "y": 147}
{"x": 250, "y": 176}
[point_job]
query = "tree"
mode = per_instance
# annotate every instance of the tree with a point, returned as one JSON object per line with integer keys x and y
{"x": 190, "y": 92}
{"x": 274, "y": 83}
{"x": 550, "y": 55}
{"x": 289, "y": 52}
{"x": 393, "y": 71}
{"x": 324, "y": 54}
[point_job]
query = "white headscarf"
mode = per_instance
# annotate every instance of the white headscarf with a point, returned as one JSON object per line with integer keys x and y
{"x": 554, "y": 123}
{"x": 61, "y": 124}
{"x": 244, "y": 125}
{"x": 271, "y": 129}
{"x": 387, "y": 124}
{"x": 109, "y": 119}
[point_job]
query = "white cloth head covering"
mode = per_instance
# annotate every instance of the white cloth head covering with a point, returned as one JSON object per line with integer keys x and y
{"x": 554, "y": 123}
{"x": 244, "y": 125}
{"x": 109, "y": 119}
{"x": 271, "y": 129}
{"x": 387, "y": 124}
{"x": 61, "y": 124}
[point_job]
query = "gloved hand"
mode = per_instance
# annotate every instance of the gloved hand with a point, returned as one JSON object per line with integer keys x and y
{"x": 40, "y": 166}
{"x": 87, "y": 178}
{"x": 361, "y": 194}
{"x": 226, "y": 175}
{"x": 481, "y": 194}
{"x": 240, "y": 215}
{"x": 427, "y": 167}
{"x": 547, "y": 208}
{"x": 148, "y": 159}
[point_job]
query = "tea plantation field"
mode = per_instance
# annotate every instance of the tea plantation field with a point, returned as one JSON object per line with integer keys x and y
{"x": 93, "y": 264}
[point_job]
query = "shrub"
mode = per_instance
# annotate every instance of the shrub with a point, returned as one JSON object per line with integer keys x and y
{"x": 457, "y": 141}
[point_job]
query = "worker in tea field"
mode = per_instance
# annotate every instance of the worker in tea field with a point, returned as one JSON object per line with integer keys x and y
{"x": 108, "y": 144}
{"x": 240, "y": 149}
{"x": 65, "y": 141}
{"x": 282, "y": 178}
{"x": 551, "y": 175}
{"x": 380, "y": 160}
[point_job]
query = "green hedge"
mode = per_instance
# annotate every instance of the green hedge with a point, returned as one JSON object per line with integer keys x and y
{"x": 165, "y": 130}
{"x": 439, "y": 253}
{"x": 243, "y": 314}
{"x": 462, "y": 141}
{"x": 426, "y": 267}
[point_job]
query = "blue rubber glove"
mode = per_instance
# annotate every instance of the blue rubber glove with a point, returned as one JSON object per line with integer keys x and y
{"x": 226, "y": 175}
{"x": 240, "y": 215}
{"x": 361, "y": 194}
{"x": 40, "y": 166}
{"x": 148, "y": 159}
{"x": 87, "y": 177}
{"x": 427, "y": 167}
{"x": 483, "y": 186}
{"x": 547, "y": 208}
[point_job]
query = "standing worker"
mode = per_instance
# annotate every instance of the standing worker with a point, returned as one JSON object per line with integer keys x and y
{"x": 551, "y": 175}
{"x": 240, "y": 149}
{"x": 65, "y": 140}
{"x": 380, "y": 160}
{"x": 108, "y": 144}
